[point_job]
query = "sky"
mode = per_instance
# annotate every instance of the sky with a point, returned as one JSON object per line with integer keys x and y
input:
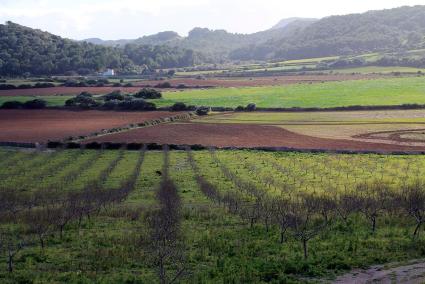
{"x": 127, "y": 19}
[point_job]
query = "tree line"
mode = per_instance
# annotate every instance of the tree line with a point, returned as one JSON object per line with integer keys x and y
{"x": 49, "y": 211}
{"x": 25, "y": 51}
{"x": 304, "y": 215}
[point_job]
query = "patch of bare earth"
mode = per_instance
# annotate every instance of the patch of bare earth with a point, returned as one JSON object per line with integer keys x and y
{"x": 44, "y": 125}
{"x": 242, "y": 135}
{"x": 400, "y": 136}
{"x": 66, "y": 91}
{"x": 413, "y": 273}
{"x": 264, "y": 81}
{"x": 190, "y": 82}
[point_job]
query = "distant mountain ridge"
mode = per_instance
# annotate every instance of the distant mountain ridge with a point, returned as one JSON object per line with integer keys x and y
{"x": 214, "y": 44}
{"x": 285, "y": 22}
{"x": 384, "y": 30}
{"x": 295, "y": 38}
{"x": 29, "y": 51}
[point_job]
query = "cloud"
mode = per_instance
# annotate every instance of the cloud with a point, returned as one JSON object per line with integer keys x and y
{"x": 133, "y": 18}
{"x": 73, "y": 17}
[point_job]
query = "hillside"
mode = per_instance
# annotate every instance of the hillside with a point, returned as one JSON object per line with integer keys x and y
{"x": 295, "y": 38}
{"x": 285, "y": 22}
{"x": 215, "y": 45}
{"x": 385, "y": 30}
{"x": 27, "y": 51}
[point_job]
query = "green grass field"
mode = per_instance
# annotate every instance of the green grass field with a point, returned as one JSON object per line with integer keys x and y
{"x": 51, "y": 100}
{"x": 218, "y": 245}
{"x": 312, "y": 63}
{"x": 390, "y": 91}
{"x": 380, "y": 70}
{"x": 394, "y": 91}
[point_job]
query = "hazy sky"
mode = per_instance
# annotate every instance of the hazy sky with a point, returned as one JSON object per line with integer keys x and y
{"x": 116, "y": 19}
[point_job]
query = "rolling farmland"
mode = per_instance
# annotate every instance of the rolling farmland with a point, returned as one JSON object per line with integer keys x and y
{"x": 364, "y": 126}
{"x": 290, "y": 155}
{"x": 102, "y": 227}
{"x": 394, "y": 91}
{"x": 56, "y": 125}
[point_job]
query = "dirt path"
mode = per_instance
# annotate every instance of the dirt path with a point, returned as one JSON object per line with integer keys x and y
{"x": 411, "y": 273}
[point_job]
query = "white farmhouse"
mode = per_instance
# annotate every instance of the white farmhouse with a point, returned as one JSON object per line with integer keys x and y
{"x": 109, "y": 72}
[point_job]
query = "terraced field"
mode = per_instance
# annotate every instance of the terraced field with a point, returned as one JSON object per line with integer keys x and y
{"x": 79, "y": 216}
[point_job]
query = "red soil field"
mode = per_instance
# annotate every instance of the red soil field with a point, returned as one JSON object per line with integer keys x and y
{"x": 264, "y": 81}
{"x": 212, "y": 82}
{"x": 44, "y": 125}
{"x": 394, "y": 136}
{"x": 65, "y": 91}
{"x": 242, "y": 135}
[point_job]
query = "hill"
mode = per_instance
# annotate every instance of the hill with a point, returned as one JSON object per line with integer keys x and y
{"x": 28, "y": 51}
{"x": 385, "y": 30}
{"x": 285, "y": 22}
{"x": 215, "y": 45}
{"x": 296, "y": 38}
{"x": 25, "y": 50}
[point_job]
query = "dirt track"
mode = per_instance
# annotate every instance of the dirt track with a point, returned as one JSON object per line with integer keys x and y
{"x": 44, "y": 125}
{"x": 242, "y": 135}
{"x": 413, "y": 273}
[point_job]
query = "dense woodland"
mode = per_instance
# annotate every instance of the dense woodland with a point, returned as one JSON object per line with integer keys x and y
{"x": 386, "y": 30}
{"x": 296, "y": 38}
{"x": 24, "y": 50}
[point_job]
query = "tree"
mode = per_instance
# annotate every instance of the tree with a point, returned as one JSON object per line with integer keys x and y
{"x": 11, "y": 246}
{"x": 251, "y": 107}
{"x": 35, "y": 104}
{"x": 347, "y": 203}
{"x": 166, "y": 240}
{"x": 179, "y": 107}
{"x": 412, "y": 199}
{"x": 281, "y": 215}
{"x": 83, "y": 100}
{"x": 12, "y": 105}
{"x": 114, "y": 96}
{"x": 373, "y": 199}
{"x": 136, "y": 105}
{"x": 305, "y": 219}
{"x": 201, "y": 111}
{"x": 147, "y": 93}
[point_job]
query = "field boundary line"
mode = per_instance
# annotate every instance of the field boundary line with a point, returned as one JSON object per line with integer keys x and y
{"x": 132, "y": 126}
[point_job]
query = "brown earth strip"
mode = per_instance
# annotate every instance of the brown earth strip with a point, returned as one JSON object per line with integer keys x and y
{"x": 264, "y": 81}
{"x": 242, "y": 135}
{"x": 214, "y": 82}
{"x": 44, "y": 125}
{"x": 65, "y": 91}
{"x": 391, "y": 135}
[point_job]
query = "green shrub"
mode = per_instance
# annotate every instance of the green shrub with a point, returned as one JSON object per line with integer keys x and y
{"x": 12, "y": 105}
{"x": 115, "y": 95}
{"x": 147, "y": 93}
{"x": 35, "y": 104}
